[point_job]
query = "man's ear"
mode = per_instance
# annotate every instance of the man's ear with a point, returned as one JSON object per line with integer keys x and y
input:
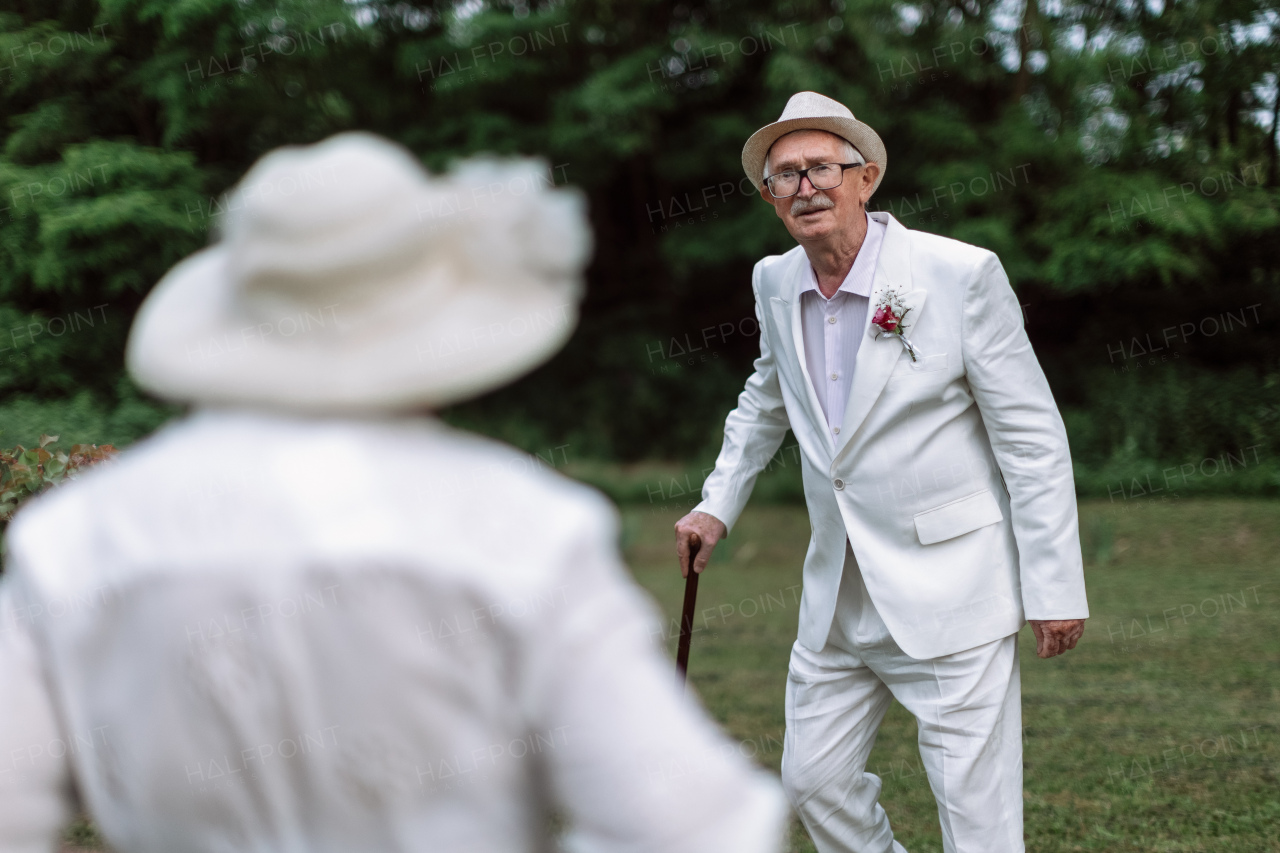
{"x": 869, "y": 174}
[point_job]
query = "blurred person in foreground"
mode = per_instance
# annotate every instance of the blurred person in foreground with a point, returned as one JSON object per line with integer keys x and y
{"x": 310, "y": 617}
{"x": 939, "y": 487}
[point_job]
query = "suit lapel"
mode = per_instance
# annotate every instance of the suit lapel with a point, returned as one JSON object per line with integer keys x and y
{"x": 787, "y": 312}
{"x": 878, "y": 355}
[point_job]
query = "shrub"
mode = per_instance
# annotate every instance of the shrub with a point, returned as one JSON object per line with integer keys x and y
{"x": 24, "y": 473}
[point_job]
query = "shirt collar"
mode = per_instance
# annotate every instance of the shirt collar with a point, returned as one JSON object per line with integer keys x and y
{"x": 860, "y": 276}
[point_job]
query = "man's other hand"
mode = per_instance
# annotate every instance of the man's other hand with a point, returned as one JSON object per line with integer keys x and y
{"x": 1055, "y": 636}
{"x": 709, "y": 531}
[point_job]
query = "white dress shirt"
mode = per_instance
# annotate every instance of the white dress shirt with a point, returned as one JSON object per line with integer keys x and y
{"x": 247, "y": 634}
{"x": 833, "y": 327}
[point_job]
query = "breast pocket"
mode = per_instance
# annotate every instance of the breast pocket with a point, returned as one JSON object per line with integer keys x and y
{"x": 924, "y": 366}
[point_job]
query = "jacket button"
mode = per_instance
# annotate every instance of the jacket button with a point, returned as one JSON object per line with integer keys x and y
{"x": 838, "y": 483}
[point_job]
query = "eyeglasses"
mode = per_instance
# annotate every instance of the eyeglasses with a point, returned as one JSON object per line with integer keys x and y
{"x": 825, "y": 176}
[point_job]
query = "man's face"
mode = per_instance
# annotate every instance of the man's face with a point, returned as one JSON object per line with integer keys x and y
{"x": 813, "y": 215}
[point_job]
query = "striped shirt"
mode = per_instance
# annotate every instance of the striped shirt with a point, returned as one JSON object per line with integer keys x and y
{"x": 833, "y": 328}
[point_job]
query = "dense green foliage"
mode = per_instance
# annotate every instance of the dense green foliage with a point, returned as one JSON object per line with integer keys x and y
{"x": 1120, "y": 157}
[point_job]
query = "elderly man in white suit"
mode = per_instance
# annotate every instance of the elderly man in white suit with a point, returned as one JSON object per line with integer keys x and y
{"x": 939, "y": 486}
{"x": 309, "y": 617}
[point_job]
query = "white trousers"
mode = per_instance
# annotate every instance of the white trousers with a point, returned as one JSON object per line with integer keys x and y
{"x": 968, "y": 710}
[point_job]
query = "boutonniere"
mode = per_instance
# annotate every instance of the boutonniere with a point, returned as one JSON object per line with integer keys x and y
{"x": 888, "y": 318}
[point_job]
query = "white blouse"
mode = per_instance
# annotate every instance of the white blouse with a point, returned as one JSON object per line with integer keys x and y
{"x": 260, "y": 632}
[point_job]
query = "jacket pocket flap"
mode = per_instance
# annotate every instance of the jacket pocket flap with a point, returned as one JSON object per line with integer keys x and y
{"x": 957, "y": 517}
{"x": 925, "y": 364}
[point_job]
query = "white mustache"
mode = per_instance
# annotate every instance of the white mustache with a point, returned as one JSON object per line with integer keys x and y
{"x": 817, "y": 202}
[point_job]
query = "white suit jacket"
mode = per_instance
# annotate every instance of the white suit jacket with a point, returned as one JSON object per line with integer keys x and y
{"x": 264, "y": 633}
{"x": 951, "y": 477}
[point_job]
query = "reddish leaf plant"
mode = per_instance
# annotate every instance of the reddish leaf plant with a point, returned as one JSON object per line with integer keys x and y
{"x": 24, "y": 473}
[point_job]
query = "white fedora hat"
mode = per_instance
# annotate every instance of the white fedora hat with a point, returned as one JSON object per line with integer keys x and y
{"x": 811, "y": 111}
{"x": 348, "y": 279}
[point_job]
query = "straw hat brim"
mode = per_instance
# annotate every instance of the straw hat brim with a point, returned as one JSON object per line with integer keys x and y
{"x": 190, "y": 343}
{"x": 866, "y": 140}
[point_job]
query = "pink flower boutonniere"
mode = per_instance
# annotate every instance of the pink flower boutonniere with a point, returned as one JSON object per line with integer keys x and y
{"x": 888, "y": 318}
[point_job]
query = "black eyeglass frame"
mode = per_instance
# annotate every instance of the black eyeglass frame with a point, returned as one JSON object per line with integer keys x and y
{"x": 803, "y": 173}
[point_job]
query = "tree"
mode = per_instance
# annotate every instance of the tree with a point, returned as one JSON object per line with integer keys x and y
{"x": 1118, "y": 157}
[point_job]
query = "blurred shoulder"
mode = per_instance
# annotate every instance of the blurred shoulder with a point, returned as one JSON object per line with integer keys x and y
{"x": 504, "y": 519}
{"x": 241, "y": 483}
{"x": 461, "y": 467}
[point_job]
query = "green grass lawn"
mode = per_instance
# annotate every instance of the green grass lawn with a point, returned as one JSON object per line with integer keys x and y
{"x": 1157, "y": 733}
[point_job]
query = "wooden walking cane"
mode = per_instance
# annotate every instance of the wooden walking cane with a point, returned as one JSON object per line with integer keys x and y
{"x": 686, "y": 616}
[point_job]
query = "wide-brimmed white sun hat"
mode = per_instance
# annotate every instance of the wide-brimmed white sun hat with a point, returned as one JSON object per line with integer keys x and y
{"x": 811, "y": 111}
{"x": 349, "y": 279}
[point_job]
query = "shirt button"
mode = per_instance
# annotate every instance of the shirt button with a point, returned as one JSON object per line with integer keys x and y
{"x": 838, "y": 483}
{"x": 831, "y": 319}
{"x": 835, "y": 376}
{"x": 836, "y": 430}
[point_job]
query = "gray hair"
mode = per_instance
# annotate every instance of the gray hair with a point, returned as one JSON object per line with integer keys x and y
{"x": 850, "y": 153}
